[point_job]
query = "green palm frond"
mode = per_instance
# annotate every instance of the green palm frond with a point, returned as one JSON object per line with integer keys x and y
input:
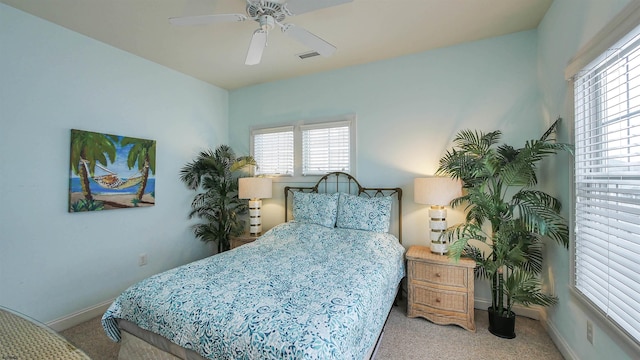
{"x": 524, "y": 288}
{"x": 457, "y": 164}
{"x": 552, "y": 130}
{"x": 540, "y": 214}
{"x": 533, "y": 251}
{"x": 506, "y": 153}
{"x": 459, "y": 235}
{"x": 505, "y": 247}
{"x": 476, "y": 142}
{"x": 474, "y": 253}
{"x": 520, "y": 172}
{"x": 539, "y": 198}
{"x": 243, "y": 161}
{"x": 459, "y": 201}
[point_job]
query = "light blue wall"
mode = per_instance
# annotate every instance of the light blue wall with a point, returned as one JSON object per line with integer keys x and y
{"x": 408, "y": 110}
{"x": 567, "y": 26}
{"x": 53, "y": 263}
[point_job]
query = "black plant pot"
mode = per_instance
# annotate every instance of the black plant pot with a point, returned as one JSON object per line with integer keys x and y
{"x": 502, "y": 326}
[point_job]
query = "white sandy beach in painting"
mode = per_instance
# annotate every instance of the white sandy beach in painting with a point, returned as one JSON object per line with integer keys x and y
{"x": 117, "y": 201}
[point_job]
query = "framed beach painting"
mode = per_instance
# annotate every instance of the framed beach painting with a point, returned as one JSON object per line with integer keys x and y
{"x": 110, "y": 172}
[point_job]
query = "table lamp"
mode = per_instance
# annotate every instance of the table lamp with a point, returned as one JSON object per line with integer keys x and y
{"x": 437, "y": 192}
{"x": 255, "y": 189}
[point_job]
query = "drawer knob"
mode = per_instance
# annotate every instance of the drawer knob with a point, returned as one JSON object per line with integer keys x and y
{"x": 438, "y": 275}
{"x": 437, "y": 300}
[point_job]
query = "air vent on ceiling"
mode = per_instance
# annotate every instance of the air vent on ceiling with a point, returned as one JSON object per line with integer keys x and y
{"x": 308, "y": 55}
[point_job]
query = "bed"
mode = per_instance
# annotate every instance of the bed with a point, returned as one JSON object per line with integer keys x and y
{"x": 320, "y": 286}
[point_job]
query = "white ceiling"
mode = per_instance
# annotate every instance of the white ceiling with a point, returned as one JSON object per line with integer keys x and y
{"x": 363, "y": 31}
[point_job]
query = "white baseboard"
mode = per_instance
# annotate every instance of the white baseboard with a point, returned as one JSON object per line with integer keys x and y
{"x": 554, "y": 334}
{"x": 530, "y": 312}
{"x": 79, "y": 317}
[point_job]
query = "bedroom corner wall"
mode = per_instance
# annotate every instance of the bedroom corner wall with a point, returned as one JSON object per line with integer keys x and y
{"x": 53, "y": 263}
{"x": 567, "y": 26}
{"x": 408, "y": 111}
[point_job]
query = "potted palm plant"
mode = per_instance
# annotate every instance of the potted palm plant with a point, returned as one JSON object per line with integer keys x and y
{"x": 505, "y": 212}
{"x": 214, "y": 176}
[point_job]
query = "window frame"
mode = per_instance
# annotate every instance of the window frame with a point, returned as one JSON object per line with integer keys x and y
{"x": 298, "y": 177}
{"x": 616, "y": 30}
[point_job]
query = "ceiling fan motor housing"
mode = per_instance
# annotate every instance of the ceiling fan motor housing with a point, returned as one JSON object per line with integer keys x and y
{"x": 259, "y": 8}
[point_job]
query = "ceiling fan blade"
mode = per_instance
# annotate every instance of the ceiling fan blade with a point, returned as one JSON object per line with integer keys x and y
{"x": 206, "y": 19}
{"x": 297, "y": 7}
{"x": 308, "y": 39}
{"x": 256, "y": 47}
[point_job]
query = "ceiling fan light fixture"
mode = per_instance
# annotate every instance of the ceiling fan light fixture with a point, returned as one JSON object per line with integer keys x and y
{"x": 267, "y": 22}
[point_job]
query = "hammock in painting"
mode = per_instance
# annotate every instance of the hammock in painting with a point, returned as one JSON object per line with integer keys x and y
{"x": 112, "y": 181}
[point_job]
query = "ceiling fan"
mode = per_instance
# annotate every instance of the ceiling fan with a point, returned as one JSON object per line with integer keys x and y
{"x": 268, "y": 14}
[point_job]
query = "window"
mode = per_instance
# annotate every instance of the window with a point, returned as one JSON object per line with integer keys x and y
{"x": 307, "y": 148}
{"x": 273, "y": 151}
{"x": 325, "y": 148}
{"x": 607, "y": 184}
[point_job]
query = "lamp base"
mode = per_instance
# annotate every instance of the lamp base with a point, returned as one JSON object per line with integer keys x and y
{"x": 255, "y": 220}
{"x": 439, "y": 248}
{"x": 438, "y": 224}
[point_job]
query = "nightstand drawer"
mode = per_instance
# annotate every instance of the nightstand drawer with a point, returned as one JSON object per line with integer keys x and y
{"x": 440, "y": 274}
{"x": 441, "y": 299}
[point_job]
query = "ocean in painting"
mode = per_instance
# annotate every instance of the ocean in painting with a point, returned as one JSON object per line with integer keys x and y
{"x": 96, "y": 189}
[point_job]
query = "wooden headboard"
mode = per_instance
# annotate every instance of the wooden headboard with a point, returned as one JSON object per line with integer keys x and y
{"x": 342, "y": 182}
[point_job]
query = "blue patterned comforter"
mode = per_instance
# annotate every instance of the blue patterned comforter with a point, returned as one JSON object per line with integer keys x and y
{"x": 301, "y": 291}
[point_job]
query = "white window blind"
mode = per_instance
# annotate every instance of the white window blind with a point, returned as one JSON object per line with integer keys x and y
{"x": 607, "y": 183}
{"x": 273, "y": 151}
{"x": 326, "y": 148}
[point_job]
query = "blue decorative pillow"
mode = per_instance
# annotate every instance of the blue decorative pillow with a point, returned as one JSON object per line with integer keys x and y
{"x": 362, "y": 213}
{"x": 315, "y": 208}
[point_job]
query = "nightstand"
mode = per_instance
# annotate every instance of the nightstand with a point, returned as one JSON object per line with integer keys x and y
{"x": 440, "y": 289}
{"x": 235, "y": 241}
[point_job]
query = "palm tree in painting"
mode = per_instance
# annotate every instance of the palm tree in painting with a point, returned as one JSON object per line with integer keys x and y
{"x": 143, "y": 152}
{"x": 87, "y": 149}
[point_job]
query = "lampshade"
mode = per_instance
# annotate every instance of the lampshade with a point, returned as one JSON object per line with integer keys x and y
{"x": 436, "y": 190}
{"x": 254, "y": 188}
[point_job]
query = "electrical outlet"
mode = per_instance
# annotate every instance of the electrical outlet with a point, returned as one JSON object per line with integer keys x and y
{"x": 590, "y": 332}
{"x": 142, "y": 260}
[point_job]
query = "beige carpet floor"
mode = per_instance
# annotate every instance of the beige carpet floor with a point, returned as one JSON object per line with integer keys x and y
{"x": 404, "y": 338}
